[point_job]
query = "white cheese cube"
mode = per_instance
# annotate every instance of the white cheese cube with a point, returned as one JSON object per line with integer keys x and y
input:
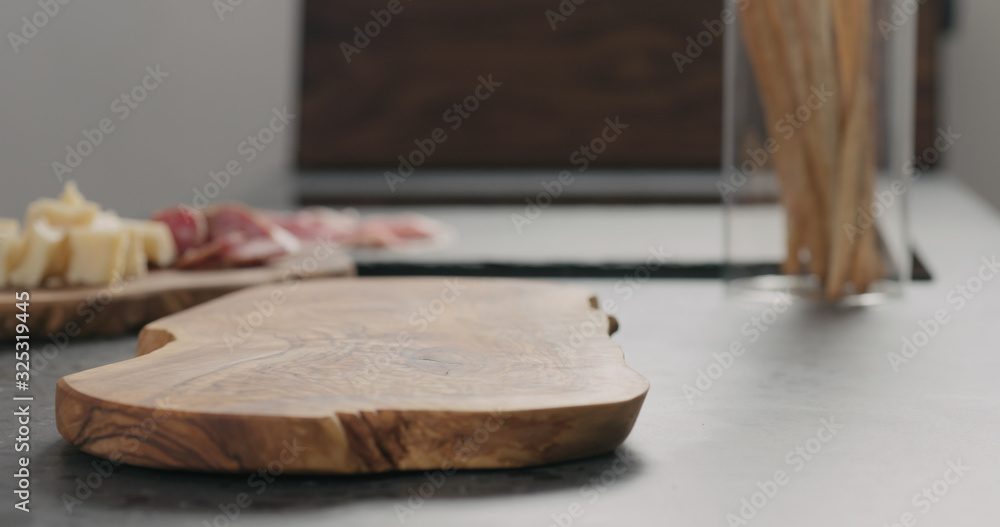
{"x": 42, "y": 243}
{"x": 60, "y": 214}
{"x": 136, "y": 264}
{"x": 10, "y": 247}
{"x": 71, "y": 194}
{"x": 97, "y": 255}
{"x": 157, "y": 239}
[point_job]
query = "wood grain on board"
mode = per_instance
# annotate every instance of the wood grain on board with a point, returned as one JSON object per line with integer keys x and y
{"x": 127, "y": 305}
{"x": 364, "y": 375}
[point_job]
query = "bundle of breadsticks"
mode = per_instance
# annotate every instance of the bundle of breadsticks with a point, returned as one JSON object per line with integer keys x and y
{"x": 826, "y": 169}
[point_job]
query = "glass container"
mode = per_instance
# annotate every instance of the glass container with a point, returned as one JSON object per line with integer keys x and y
{"x": 818, "y": 139}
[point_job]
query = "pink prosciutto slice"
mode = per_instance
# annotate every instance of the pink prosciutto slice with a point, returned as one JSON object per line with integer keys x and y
{"x": 252, "y": 252}
{"x": 233, "y": 235}
{"x": 210, "y": 255}
{"x": 229, "y": 218}
{"x": 237, "y": 236}
{"x": 408, "y": 226}
{"x": 188, "y": 226}
{"x": 318, "y": 223}
{"x": 348, "y": 228}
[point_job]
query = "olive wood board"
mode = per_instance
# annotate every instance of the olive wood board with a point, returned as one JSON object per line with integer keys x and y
{"x": 364, "y": 375}
{"x": 62, "y": 313}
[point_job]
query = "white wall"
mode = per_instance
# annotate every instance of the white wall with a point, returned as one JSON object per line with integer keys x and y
{"x": 970, "y": 69}
{"x": 225, "y": 77}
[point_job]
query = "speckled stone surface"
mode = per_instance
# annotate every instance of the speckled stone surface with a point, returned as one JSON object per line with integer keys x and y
{"x": 817, "y": 383}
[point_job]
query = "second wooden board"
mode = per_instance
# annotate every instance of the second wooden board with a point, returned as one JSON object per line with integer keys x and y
{"x": 70, "y": 312}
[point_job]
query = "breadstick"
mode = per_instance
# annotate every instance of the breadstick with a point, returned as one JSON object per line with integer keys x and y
{"x": 867, "y": 262}
{"x": 791, "y": 40}
{"x": 769, "y": 49}
{"x": 766, "y": 65}
{"x": 853, "y": 38}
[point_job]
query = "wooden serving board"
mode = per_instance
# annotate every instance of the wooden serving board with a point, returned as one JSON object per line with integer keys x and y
{"x": 364, "y": 375}
{"x": 115, "y": 309}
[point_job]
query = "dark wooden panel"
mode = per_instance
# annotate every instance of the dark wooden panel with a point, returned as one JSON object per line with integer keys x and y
{"x": 608, "y": 58}
{"x": 927, "y": 73}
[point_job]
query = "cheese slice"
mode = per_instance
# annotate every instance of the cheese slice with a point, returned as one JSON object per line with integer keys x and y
{"x": 42, "y": 243}
{"x": 61, "y": 258}
{"x": 58, "y": 261}
{"x": 10, "y": 247}
{"x": 136, "y": 263}
{"x": 61, "y": 214}
{"x": 157, "y": 240}
{"x": 71, "y": 194}
{"x": 97, "y": 253}
{"x": 136, "y": 260}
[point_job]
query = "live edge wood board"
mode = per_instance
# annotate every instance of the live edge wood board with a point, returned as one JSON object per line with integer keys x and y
{"x": 364, "y": 375}
{"x": 71, "y": 312}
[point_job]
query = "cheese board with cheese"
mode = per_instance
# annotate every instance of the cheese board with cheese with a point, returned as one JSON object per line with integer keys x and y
{"x": 129, "y": 303}
{"x": 84, "y": 270}
{"x": 87, "y": 271}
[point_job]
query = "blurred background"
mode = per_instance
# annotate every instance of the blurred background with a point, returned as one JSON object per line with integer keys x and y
{"x": 230, "y": 67}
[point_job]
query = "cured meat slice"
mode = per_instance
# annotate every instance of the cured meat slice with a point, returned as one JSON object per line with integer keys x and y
{"x": 234, "y": 235}
{"x": 233, "y": 218}
{"x": 318, "y": 223}
{"x": 375, "y": 234}
{"x": 210, "y": 255}
{"x": 348, "y": 228}
{"x": 251, "y": 252}
{"x": 229, "y": 218}
{"x": 188, "y": 226}
{"x": 408, "y": 226}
